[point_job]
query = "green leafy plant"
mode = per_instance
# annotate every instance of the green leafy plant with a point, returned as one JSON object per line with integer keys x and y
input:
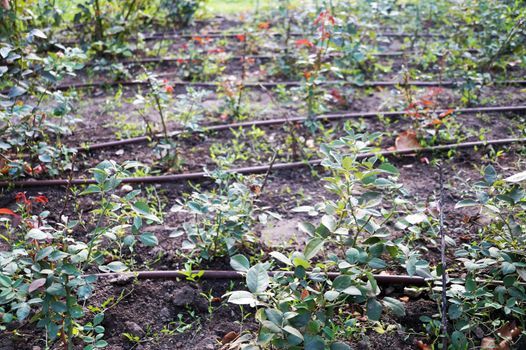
{"x": 224, "y": 219}
{"x": 44, "y": 274}
{"x": 491, "y": 297}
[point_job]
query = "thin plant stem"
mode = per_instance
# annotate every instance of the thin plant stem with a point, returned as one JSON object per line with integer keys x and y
{"x": 443, "y": 258}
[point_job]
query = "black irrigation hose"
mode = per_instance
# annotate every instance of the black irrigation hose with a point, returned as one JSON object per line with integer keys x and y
{"x": 271, "y": 84}
{"x": 234, "y": 58}
{"x": 163, "y": 36}
{"x": 280, "y": 121}
{"x": 403, "y": 280}
{"x": 221, "y": 35}
{"x": 168, "y": 60}
{"x": 254, "y": 169}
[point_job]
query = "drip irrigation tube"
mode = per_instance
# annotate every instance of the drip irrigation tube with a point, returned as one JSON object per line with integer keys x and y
{"x": 167, "y": 60}
{"x": 272, "y": 84}
{"x": 247, "y": 57}
{"x": 214, "y": 35}
{"x": 403, "y": 280}
{"x": 280, "y": 121}
{"x": 255, "y": 169}
{"x": 223, "y": 35}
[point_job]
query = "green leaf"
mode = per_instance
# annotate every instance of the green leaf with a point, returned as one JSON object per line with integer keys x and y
{"x": 242, "y": 297}
{"x": 376, "y": 263}
{"x": 91, "y": 189}
{"x": 149, "y": 239}
{"x": 293, "y": 331}
{"x": 307, "y": 227}
{"x": 415, "y": 219}
{"x": 374, "y": 309}
{"x": 58, "y": 306}
{"x": 389, "y": 168}
{"x": 101, "y": 343}
{"x": 142, "y": 209}
{"x": 396, "y": 306}
{"x": 281, "y": 257}
{"x": 4, "y": 51}
{"x": 454, "y": 311}
{"x": 352, "y": 290}
{"x": 5, "y": 281}
{"x": 56, "y": 289}
{"x": 257, "y": 278}
{"x": 37, "y": 234}
{"x": 329, "y": 222}
{"x": 490, "y": 174}
{"x": 300, "y": 262}
{"x": 16, "y": 91}
{"x": 76, "y": 312}
{"x": 116, "y": 266}
{"x": 38, "y": 33}
{"x": 471, "y": 285}
{"x": 466, "y": 203}
{"x": 271, "y": 326}
{"x": 313, "y": 247}
{"x": 23, "y": 311}
{"x": 314, "y": 342}
{"x": 98, "y": 319}
{"x": 508, "y": 268}
{"x": 340, "y": 346}
{"x": 239, "y": 263}
{"x": 275, "y": 316}
{"x": 342, "y": 282}
{"x": 517, "y": 177}
{"x": 331, "y": 295}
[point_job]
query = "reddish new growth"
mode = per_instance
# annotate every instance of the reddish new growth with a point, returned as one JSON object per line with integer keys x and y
{"x": 200, "y": 40}
{"x": 426, "y": 104}
{"x": 27, "y": 203}
{"x": 324, "y": 20}
{"x": 216, "y": 51}
{"x": 264, "y": 25}
{"x": 304, "y": 42}
{"x": 41, "y": 199}
{"x": 168, "y": 88}
{"x": 338, "y": 97}
{"x": 22, "y": 199}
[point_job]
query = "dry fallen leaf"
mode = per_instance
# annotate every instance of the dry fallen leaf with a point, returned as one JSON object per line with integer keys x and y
{"x": 230, "y": 337}
{"x": 407, "y": 140}
{"x": 423, "y": 346}
{"x": 424, "y": 160}
{"x": 488, "y": 343}
{"x": 503, "y": 345}
{"x": 362, "y": 318}
{"x": 509, "y": 331}
{"x": 255, "y": 189}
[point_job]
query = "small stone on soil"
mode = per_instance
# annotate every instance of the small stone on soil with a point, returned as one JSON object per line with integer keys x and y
{"x": 134, "y": 329}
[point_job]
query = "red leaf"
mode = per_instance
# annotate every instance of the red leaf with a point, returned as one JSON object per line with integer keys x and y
{"x": 304, "y": 42}
{"x": 36, "y": 284}
{"x": 6, "y": 211}
{"x": 423, "y": 346}
{"x": 446, "y": 113}
{"x": 304, "y": 294}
